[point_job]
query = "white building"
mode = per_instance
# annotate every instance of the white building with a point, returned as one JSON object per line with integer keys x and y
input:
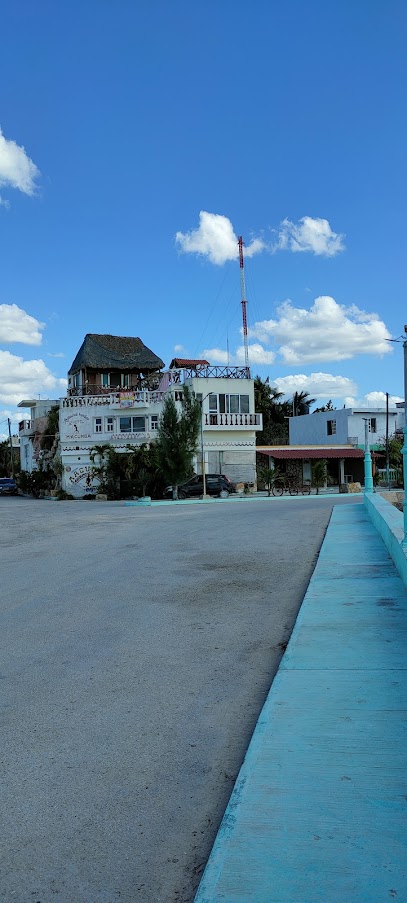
{"x": 345, "y": 426}
{"x": 31, "y": 430}
{"x": 116, "y": 391}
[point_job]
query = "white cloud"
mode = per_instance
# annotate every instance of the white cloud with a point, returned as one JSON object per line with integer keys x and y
{"x": 21, "y": 379}
{"x": 327, "y": 332}
{"x": 215, "y": 239}
{"x": 18, "y": 326}
{"x": 4, "y": 203}
{"x": 320, "y": 385}
{"x": 309, "y": 234}
{"x": 56, "y": 354}
{"x": 16, "y": 168}
{"x": 372, "y": 400}
{"x": 257, "y": 355}
{"x": 178, "y": 349}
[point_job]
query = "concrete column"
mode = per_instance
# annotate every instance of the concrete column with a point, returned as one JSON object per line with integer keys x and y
{"x": 404, "y": 453}
{"x": 341, "y": 470}
{"x": 368, "y": 460}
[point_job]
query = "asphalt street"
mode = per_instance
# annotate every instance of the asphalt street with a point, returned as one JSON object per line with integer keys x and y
{"x": 137, "y": 648}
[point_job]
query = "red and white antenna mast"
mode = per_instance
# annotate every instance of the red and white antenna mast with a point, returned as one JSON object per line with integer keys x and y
{"x": 243, "y": 294}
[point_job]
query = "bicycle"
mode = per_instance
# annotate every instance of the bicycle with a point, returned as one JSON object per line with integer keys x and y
{"x": 291, "y": 486}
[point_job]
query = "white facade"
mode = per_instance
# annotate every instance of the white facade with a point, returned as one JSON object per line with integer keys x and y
{"x": 345, "y": 426}
{"x": 117, "y": 418}
{"x": 121, "y": 418}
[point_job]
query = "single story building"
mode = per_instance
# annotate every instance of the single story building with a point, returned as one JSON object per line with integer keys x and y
{"x": 345, "y": 463}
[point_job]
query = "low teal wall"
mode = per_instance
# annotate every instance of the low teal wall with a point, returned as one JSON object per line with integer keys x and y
{"x": 389, "y": 524}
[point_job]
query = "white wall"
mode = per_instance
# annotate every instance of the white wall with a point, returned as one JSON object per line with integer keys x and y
{"x": 312, "y": 429}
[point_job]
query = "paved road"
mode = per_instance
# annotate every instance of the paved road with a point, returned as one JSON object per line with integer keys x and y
{"x": 137, "y": 648}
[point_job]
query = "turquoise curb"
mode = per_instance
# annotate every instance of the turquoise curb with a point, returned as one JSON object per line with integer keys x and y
{"x": 318, "y": 813}
{"x": 246, "y": 498}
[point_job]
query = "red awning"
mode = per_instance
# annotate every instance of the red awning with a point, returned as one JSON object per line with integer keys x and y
{"x": 300, "y": 454}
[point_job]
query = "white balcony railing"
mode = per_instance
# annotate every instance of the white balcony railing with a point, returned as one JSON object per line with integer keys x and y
{"x": 140, "y": 399}
{"x": 233, "y": 421}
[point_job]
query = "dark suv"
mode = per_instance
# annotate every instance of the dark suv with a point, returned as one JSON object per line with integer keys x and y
{"x": 8, "y": 486}
{"x": 216, "y": 484}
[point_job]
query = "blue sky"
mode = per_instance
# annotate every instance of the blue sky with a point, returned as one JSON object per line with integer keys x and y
{"x": 288, "y": 120}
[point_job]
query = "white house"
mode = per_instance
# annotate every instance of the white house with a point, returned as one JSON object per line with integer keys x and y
{"x": 116, "y": 391}
{"x": 345, "y": 426}
{"x": 31, "y": 429}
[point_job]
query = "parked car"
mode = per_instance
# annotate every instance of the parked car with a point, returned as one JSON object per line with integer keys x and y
{"x": 8, "y": 486}
{"x": 216, "y": 484}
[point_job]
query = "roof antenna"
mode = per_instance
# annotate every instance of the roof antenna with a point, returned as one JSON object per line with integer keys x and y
{"x": 227, "y": 348}
{"x": 243, "y": 294}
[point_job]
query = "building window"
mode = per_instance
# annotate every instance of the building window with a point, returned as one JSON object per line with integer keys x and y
{"x": 331, "y": 427}
{"x": 233, "y": 404}
{"x": 76, "y": 380}
{"x": 372, "y": 425}
{"x": 199, "y": 397}
{"x": 105, "y": 380}
{"x": 98, "y": 424}
{"x": 109, "y": 424}
{"x": 154, "y": 422}
{"x": 125, "y": 380}
{"x": 139, "y": 424}
{"x": 244, "y": 404}
{"x": 178, "y": 396}
{"x": 213, "y": 403}
{"x": 132, "y": 424}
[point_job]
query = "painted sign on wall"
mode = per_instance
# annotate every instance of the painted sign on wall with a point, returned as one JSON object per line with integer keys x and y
{"x": 76, "y": 426}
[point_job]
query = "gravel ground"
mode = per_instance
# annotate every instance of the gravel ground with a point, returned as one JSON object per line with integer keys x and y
{"x": 137, "y": 648}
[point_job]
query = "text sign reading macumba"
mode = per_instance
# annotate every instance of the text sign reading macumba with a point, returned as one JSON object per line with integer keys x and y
{"x": 76, "y": 426}
{"x": 81, "y": 475}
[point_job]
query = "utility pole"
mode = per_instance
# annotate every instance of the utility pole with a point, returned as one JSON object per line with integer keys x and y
{"x": 11, "y": 447}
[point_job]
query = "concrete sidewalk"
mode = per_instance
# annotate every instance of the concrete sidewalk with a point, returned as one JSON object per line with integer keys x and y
{"x": 319, "y": 810}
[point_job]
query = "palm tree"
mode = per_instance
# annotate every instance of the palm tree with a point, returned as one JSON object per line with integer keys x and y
{"x": 301, "y": 403}
{"x": 268, "y": 402}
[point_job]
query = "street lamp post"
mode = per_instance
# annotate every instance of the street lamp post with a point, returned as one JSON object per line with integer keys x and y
{"x": 202, "y": 448}
{"x": 368, "y": 460}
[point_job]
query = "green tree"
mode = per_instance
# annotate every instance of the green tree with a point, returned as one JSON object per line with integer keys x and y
{"x": 51, "y": 429}
{"x": 275, "y": 413}
{"x": 178, "y": 437}
{"x": 141, "y": 467}
{"x": 103, "y": 459}
{"x": 301, "y": 403}
{"x": 326, "y": 407}
{"x": 319, "y": 474}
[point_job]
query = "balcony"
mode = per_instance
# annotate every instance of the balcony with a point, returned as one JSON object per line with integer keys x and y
{"x": 233, "y": 421}
{"x": 120, "y": 399}
{"x": 25, "y": 428}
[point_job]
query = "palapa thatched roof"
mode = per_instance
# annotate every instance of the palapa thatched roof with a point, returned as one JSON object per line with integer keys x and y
{"x": 104, "y": 352}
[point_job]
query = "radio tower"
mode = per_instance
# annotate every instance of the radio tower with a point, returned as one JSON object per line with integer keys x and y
{"x": 243, "y": 293}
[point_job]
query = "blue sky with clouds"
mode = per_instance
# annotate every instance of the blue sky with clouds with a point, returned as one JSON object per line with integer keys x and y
{"x": 138, "y": 140}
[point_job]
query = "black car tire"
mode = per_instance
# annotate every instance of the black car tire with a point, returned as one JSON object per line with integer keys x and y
{"x": 223, "y": 494}
{"x": 181, "y": 494}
